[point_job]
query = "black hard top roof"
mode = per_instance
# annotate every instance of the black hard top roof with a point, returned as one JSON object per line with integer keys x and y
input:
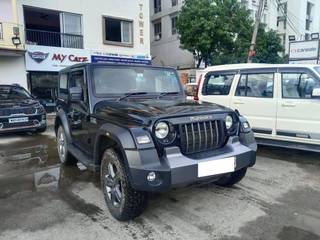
{"x": 112, "y": 64}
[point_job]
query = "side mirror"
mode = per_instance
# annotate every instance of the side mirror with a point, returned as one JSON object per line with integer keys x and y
{"x": 191, "y": 89}
{"x": 316, "y": 93}
{"x": 75, "y": 94}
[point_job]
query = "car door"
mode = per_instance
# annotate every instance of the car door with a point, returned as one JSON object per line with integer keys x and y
{"x": 298, "y": 115}
{"x": 216, "y": 87}
{"x": 79, "y": 114}
{"x": 256, "y": 99}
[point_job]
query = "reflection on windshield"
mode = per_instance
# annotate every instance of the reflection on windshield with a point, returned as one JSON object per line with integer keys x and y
{"x": 123, "y": 80}
{"x": 317, "y": 69}
{"x": 12, "y": 93}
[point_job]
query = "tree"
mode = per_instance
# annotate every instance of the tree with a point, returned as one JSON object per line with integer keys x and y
{"x": 219, "y": 32}
{"x": 268, "y": 47}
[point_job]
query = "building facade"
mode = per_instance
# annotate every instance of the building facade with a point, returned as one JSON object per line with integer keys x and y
{"x": 298, "y": 20}
{"x": 165, "y": 44}
{"x": 56, "y": 34}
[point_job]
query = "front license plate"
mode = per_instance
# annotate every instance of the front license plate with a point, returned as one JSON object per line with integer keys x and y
{"x": 218, "y": 166}
{"x": 18, "y": 120}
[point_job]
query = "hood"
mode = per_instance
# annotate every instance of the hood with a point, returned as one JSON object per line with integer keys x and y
{"x": 142, "y": 111}
{"x": 18, "y": 103}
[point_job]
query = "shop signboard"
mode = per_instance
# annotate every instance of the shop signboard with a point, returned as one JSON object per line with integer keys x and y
{"x": 53, "y": 59}
{"x": 304, "y": 51}
{"x": 105, "y": 57}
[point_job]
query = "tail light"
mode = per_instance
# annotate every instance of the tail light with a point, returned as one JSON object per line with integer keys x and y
{"x": 196, "y": 97}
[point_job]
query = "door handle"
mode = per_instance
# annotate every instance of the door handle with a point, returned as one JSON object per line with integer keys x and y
{"x": 288, "y": 104}
{"x": 238, "y": 102}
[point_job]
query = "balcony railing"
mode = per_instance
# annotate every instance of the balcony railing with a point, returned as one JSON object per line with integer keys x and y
{"x": 9, "y": 31}
{"x": 53, "y": 39}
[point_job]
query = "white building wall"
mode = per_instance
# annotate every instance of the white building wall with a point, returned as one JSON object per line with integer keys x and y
{"x": 12, "y": 70}
{"x": 167, "y": 51}
{"x": 6, "y": 13}
{"x": 92, "y": 13}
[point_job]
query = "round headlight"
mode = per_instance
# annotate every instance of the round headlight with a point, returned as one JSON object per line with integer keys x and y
{"x": 229, "y": 122}
{"x": 162, "y": 130}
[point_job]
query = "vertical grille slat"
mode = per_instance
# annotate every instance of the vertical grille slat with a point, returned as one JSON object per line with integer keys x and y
{"x": 201, "y": 136}
{"x": 193, "y": 138}
{"x": 187, "y": 137}
{"x": 205, "y": 135}
{"x": 199, "y": 132}
{"x": 217, "y": 132}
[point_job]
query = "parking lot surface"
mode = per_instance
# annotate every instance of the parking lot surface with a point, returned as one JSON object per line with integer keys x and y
{"x": 41, "y": 199}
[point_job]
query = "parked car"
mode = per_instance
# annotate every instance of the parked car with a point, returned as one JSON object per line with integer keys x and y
{"x": 281, "y": 102}
{"x": 135, "y": 125}
{"x": 46, "y": 96}
{"x": 19, "y": 111}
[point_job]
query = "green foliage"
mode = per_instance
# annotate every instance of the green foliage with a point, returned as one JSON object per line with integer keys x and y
{"x": 219, "y": 32}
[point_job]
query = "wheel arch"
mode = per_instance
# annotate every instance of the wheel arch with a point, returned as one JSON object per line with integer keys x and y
{"x": 61, "y": 120}
{"x": 111, "y": 135}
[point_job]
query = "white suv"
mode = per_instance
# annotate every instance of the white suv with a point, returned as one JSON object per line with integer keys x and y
{"x": 281, "y": 102}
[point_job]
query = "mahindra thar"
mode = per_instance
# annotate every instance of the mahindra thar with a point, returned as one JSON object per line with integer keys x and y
{"x": 135, "y": 126}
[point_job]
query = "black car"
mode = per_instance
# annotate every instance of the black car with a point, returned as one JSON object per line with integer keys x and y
{"x": 134, "y": 124}
{"x": 19, "y": 111}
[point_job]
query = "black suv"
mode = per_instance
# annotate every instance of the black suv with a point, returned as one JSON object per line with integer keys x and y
{"x": 19, "y": 111}
{"x": 135, "y": 125}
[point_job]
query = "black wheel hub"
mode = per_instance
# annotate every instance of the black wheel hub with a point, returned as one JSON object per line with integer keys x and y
{"x": 113, "y": 185}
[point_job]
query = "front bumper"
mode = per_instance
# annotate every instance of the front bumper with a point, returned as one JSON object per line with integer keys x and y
{"x": 35, "y": 122}
{"x": 175, "y": 169}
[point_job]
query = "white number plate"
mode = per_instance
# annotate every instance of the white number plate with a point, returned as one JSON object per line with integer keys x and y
{"x": 18, "y": 120}
{"x": 218, "y": 166}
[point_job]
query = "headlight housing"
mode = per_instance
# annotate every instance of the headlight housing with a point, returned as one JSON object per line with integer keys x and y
{"x": 161, "y": 130}
{"x": 229, "y": 122}
{"x": 40, "y": 109}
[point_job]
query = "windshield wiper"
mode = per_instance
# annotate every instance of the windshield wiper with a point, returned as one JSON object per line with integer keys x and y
{"x": 167, "y": 93}
{"x": 131, "y": 94}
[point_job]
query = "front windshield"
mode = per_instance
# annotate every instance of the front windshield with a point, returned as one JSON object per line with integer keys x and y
{"x": 13, "y": 93}
{"x": 123, "y": 80}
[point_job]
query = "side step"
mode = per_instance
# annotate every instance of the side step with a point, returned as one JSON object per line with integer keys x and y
{"x": 83, "y": 158}
{"x": 290, "y": 145}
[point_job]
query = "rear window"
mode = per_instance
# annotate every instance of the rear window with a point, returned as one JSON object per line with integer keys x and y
{"x": 217, "y": 84}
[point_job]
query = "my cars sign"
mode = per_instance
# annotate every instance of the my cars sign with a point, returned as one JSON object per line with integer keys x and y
{"x": 44, "y": 58}
{"x": 304, "y": 50}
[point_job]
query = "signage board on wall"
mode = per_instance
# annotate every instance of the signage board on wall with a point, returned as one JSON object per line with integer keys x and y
{"x": 105, "y": 57}
{"x": 304, "y": 50}
{"x": 51, "y": 59}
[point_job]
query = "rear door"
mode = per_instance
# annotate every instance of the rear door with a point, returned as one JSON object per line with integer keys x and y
{"x": 216, "y": 87}
{"x": 256, "y": 99}
{"x": 298, "y": 117}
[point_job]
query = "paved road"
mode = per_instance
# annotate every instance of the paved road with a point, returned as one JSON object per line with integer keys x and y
{"x": 39, "y": 199}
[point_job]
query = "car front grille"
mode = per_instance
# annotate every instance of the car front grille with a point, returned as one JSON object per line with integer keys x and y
{"x": 18, "y": 111}
{"x": 202, "y": 136}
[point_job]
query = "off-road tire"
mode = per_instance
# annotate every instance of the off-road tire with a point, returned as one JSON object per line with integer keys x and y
{"x": 67, "y": 158}
{"x": 232, "y": 179}
{"x": 132, "y": 202}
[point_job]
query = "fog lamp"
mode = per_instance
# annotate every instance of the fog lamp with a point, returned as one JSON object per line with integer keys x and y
{"x": 151, "y": 176}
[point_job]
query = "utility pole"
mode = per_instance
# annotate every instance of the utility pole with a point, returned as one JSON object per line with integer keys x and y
{"x": 252, "y": 52}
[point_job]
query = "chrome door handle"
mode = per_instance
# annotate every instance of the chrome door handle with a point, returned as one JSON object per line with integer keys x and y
{"x": 288, "y": 105}
{"x": 238, "y": 102}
